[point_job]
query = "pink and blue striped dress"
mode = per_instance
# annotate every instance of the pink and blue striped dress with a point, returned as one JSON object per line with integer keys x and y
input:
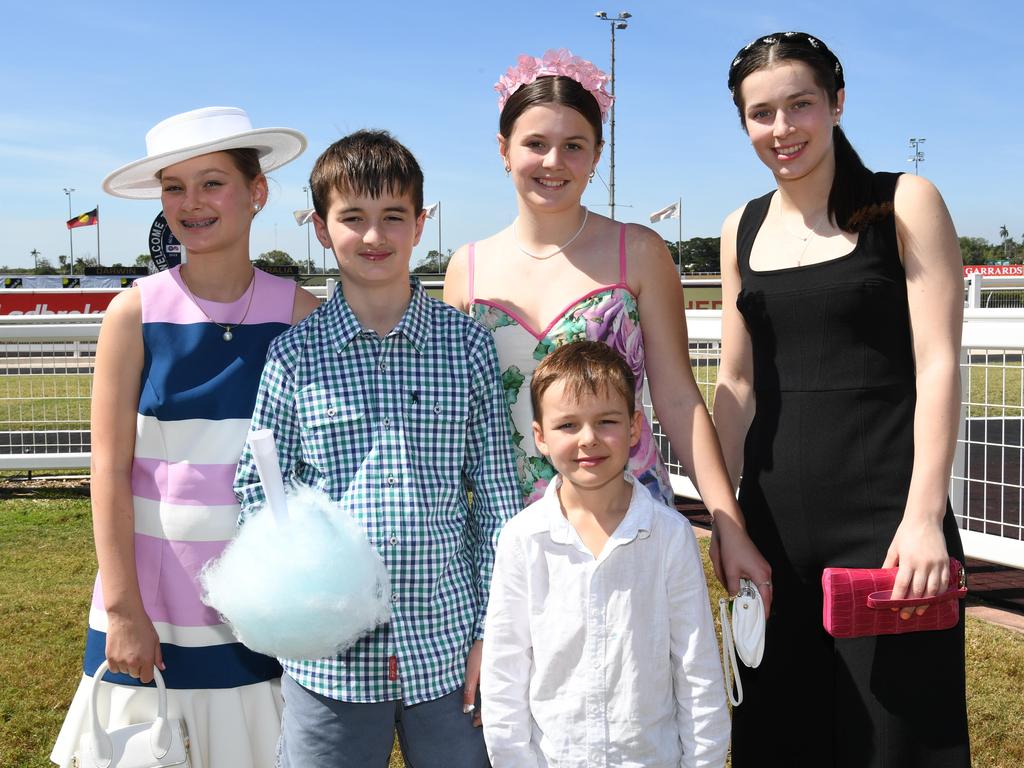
{"x": 195, "y": 401}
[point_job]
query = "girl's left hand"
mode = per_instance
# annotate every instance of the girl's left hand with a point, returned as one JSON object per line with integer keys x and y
{"x": 735, "y": 556}
{"x": 919, "y": 549}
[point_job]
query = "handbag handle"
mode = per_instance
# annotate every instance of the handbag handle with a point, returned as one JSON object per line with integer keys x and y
{"x": 883, "y": 599}
{"x": 159, "y": 732}
{"x": 729, "y": 664}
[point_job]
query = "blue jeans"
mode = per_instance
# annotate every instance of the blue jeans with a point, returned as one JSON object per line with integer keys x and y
{"x": 319, "y": 732}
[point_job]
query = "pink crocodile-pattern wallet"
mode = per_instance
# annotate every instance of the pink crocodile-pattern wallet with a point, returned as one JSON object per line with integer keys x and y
{"x": 858, "y": 603}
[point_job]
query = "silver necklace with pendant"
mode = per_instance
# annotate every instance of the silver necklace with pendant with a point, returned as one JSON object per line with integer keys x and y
{"x": 227, "y": 335}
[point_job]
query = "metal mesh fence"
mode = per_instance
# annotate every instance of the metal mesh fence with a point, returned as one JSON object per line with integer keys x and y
{"x": 988, "y": 475}
{"x": 704, "y": 356}
{"x": 45, "y": 389}
{"x": 1002, "y": 299}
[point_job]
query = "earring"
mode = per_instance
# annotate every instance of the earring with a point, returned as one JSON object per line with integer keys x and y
{"x": 592, "y": 176}
{"x": 256, "y": 207}
{"x": 508, "y": 170}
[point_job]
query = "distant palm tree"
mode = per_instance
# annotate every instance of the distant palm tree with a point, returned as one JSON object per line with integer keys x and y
{"x": 1004, "y": 233}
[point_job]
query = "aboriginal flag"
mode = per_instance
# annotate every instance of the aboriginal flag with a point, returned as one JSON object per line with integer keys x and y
{"x": 87, "y": 219}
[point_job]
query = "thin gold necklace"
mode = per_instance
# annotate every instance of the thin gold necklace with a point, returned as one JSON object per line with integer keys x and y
{"x": 559, "y": 249}
{"x": 227, "y": 335}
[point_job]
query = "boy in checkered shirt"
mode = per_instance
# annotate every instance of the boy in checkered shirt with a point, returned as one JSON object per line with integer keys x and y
{"x": 391, "y": 402}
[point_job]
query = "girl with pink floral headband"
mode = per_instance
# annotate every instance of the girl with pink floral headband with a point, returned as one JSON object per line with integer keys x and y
{"x": 560, "y": 273}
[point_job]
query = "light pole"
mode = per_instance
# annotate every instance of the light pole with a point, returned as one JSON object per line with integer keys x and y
{"x": 616, "y": 22}
{"x": 309, "y": 261}
{"x": 918, "y": 156}
{"x": 71, "y": 232}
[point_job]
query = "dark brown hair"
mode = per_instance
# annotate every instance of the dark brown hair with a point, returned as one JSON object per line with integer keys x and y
{"x": 245, "y": 159}
{"x": 370, "y": 163}
{"x": 851, "y": 203}
{"x": 586, "y": 368}
{"x": 551, "y": 89}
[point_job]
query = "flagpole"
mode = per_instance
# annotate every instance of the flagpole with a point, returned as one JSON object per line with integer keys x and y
{"x": 98, "y": 262}
{"x": 71, "y": 233}
{"x": 679, "y": 242}
{"x": 309, "y": 262}
{"x": 439, "y": 237}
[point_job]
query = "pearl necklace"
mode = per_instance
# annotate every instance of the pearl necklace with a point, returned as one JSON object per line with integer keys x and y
{"x": 559, "y": 249}
{"x": 227, "y": 335}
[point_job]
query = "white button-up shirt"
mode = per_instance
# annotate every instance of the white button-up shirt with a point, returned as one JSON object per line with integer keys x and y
{"x": 601, "y": 662}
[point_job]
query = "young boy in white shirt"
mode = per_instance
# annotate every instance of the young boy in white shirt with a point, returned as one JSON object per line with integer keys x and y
{"x": 600, "y": 647}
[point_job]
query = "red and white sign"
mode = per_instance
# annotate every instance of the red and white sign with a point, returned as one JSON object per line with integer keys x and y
{"x": 995, "y": 270}
{"x": 59, "y": 302}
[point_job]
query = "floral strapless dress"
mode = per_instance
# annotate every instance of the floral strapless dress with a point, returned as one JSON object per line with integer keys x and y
{"x": 606, "y": 314}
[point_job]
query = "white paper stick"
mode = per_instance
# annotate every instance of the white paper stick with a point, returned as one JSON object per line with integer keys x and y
{"x": 264, "y": 453}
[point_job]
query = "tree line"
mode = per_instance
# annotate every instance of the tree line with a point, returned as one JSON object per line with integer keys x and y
{"x": 698, "y": 255}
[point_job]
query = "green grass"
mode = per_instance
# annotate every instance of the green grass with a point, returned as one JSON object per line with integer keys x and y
{"x": 988, "y": 387}
{"x": 47, "y": 401}
{"x": 47, "y": 561}
{"x": 61, "y": 401}
{"x": 47, "y": 566}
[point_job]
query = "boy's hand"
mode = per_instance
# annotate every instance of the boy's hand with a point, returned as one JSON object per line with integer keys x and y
{"x": 472, "y": 681}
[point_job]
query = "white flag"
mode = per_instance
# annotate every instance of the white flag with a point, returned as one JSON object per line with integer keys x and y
{"x": 668, "y": 212}
{"x": 430, "y": 210}
{"x": 304, "y": 217}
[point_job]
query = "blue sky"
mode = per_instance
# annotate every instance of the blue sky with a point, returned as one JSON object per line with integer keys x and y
{"x": 81, "y": 83}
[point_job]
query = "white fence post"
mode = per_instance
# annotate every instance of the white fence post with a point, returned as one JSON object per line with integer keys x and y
{"x": 974, "y": 290}
{"x": 957, "y": 484}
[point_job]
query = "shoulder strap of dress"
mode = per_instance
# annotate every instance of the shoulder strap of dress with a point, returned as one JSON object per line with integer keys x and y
{"x": 622, "y": 254}
{"x": 471, "y": 270}
{"x": 751, "y": 219}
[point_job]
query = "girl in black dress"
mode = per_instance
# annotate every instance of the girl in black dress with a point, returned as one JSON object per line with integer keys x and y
{"x": 838, "y": 398}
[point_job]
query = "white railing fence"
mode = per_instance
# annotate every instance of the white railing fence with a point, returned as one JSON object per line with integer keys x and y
{"x": 993, "y": 291}
{"x": 46, "y": 366}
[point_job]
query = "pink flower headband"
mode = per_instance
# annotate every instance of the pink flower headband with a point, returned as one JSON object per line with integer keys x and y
{"x": 560, "y": 62}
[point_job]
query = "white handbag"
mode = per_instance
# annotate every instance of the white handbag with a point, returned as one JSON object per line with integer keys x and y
{"x": 742, "y": 635}
{"x": 159, "y": 743}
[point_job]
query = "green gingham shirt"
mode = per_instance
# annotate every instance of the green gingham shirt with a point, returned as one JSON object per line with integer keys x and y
{"x": 396, "y": 429}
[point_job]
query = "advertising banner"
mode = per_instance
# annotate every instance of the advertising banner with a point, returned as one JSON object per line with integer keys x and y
{"x": 995, "y": 270}
{"x": 66, "y": 302}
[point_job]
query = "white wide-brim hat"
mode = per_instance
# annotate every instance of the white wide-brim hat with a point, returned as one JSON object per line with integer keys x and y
{"x": 199, "y": 132}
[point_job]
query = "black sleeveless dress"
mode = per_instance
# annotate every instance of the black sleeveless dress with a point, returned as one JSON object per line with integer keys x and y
{"x": 827, "y": 466}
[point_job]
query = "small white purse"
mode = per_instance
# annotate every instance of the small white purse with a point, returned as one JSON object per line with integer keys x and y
{"x": 742, "y": 635}
{"x": 159, "y": 743}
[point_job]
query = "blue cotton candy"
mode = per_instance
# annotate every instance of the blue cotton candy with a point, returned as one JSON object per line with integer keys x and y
{"x": 302, "y": 589}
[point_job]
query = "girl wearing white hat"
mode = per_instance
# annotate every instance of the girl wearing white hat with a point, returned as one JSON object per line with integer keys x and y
{"x": 177, "y": 366}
